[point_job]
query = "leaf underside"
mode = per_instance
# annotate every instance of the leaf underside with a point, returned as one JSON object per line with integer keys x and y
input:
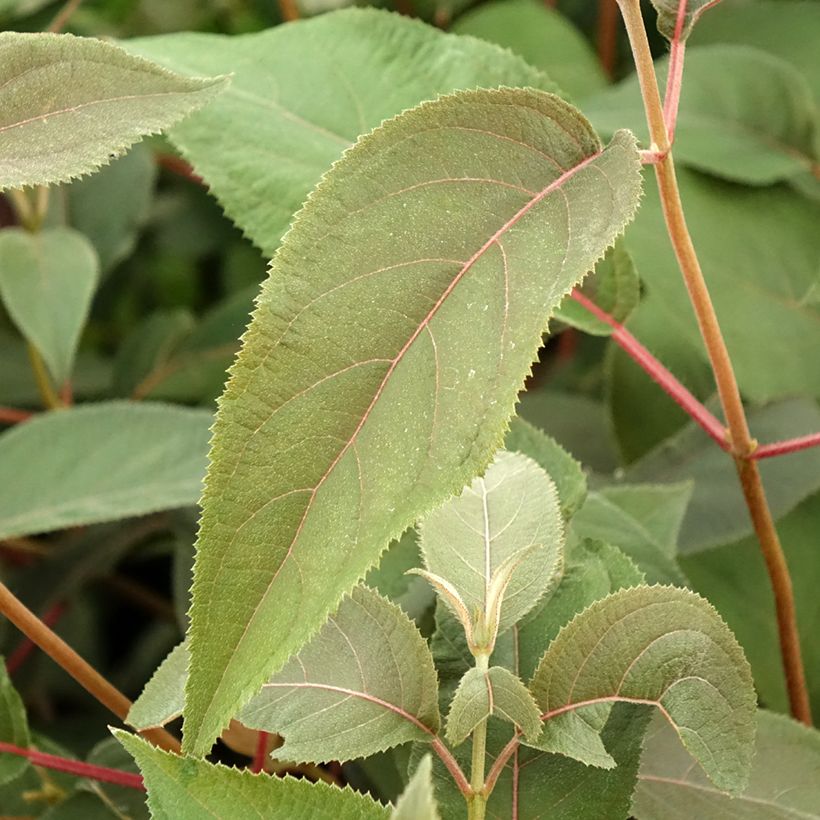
{"x": 415, "y": 284}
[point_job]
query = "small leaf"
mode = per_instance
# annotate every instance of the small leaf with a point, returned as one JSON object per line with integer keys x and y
{"x": 578, "y": 735}
{"x": 70, "y": 104}
{"x": 543, "y": 36}
{"x": 418, "y": 800}
{"x": 184, "y": 788}
{"x": 13, "y": 728}
{"x": 163, "y": 696}
{"x": 665, "y": 647}
{"x": 392, "y": 418}
{"x": 76, "y": 466}
{"x": 783, "y": 784}
{"x": 556, "y": 462}
{"x": 348, "y": 83}
{"x": 501, "y": 540}
{"x": 614, "y": 287}
{"x": 47, "y": 280}
{"x": 450, "y": 595}
{"x": 668, "y": 15}
{"x": 494, "y": 692}
{"x": 365, "y": 683}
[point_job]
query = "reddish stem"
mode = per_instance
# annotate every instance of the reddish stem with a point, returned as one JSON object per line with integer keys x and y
{"x": 792, "y": 445}
{"x": 63, "y": 764}
{"x": 657, "y": 372}
{"x": 677, "y": 50}
{"x": 10, "y": 415}
{"x": 607, "y": 35}
{"x": 261, "y": 756}
{"x": 19, "y": 656}
{"x": 177, "y": 165}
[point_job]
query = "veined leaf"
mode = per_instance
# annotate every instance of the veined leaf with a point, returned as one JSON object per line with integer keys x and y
{"x": 365, "y": 683}
{"x": 556, "y": 462}
{"x": 543, "y": 36}
{"x": 578, "y": 736}
{"x": 76, "y": 466}
{"x": 783, "y": 784}
{"x": 183, "y": 788}
{"x": 71, "y": 104}
{"x": 418, "y": 801}
{"x": 301, "y": 94}
{"x": 668, "y": 15}
{"x": 500, "y": 541}
{"x": 744, "y": 115}
{"x": 494, "y": 692}
{"x": 163, "y": 697}
{"x": 13, "y": 728}
{"x": 360, "y": 399}
{"x": 47, "y": 280}
{"x": 665, "y": 647}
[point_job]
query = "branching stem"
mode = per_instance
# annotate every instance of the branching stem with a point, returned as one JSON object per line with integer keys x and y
{"x": 741, "y": 441}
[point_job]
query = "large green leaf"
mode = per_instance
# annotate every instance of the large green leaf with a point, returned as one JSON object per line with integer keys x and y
{"x": 506, "y": 523}
{"x": 383, "y": 361}
{"x": 717, "y": 512}
{"x": 183, "y": 788}
{"x": 47, "y": 280}
{"x": 544, "y": 37}
{"x": 783, "y": 784}
{"x": 643, "y": 521}
{"x": 99, "y": 463}
{"x": 759, "y": 249}
{"x": 365, "y": 683}
{"x": 301, "y": 94}
{"x": 734, "y": 579}
{"x": 13, "y": 728}
{"x": 71, "y": 104}
{"x": 744, "y": 115}
{"x": 658, "y": 646}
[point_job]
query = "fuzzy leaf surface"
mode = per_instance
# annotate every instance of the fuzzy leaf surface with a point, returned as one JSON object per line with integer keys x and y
{"x": 360, "y": 399}
{"x": 513, "y": 508}
{"x": 365, "y": 683}
{"x": 184, "y": 788}
{"x": 418, "y": 800}
{"x": 494, "y": 692}
{"x": 660, "y": 646}
{"x": 783, "y": 783}
{"x": 69, "y": 104}
{"x": 47, "y": 280}
{"x": 163, "y": 697}
{"x": 300, "y": 95}
{"x": 72, "y": 467}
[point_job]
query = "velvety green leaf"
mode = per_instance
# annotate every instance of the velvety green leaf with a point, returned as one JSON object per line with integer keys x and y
{"x": 783, "y": 783}
{"x": 544, "y": 37}
{"x": 786, "y": 28}
{"x": 365, "y": 683}
{"x": 13, "y": 728}
{"x": 578, "y": 735}
{"x": 163, "y": 696}
{"x": 717, "y": 512}
{"x": 380, "y": 411}
{"x": 643, "y": 521}
{"x": 614, "y": 287}
{"x": 666, "y": 647}
{"x": 110, "y": 206}
{"x": 47, "y": 280}
{"x": 759, "y": 249}
{"x": 559, "y": 465}
{"x": 71, "y": 104}
{"x": 733, "y": 577}
{"x": 418, "y": 801}
{"x": 77, "y": 466}
{"x": 594, "y": 570}
{"x": 744, "y": 115}
{"x": 184, "y": 788}
{"x": 266, "y": 142}
{"x": 510, "y": 514}
{"x": 668, "y": 11}
{"x": 495, "y": 692}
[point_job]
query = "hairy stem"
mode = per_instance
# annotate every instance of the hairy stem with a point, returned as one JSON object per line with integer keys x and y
{"x": 63, "y": 16}
{"x": 792, "y": 445}
{"x": 741, "y": 441}
{"x": 79, "y": 669}
{"x": 477, "y": 802}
